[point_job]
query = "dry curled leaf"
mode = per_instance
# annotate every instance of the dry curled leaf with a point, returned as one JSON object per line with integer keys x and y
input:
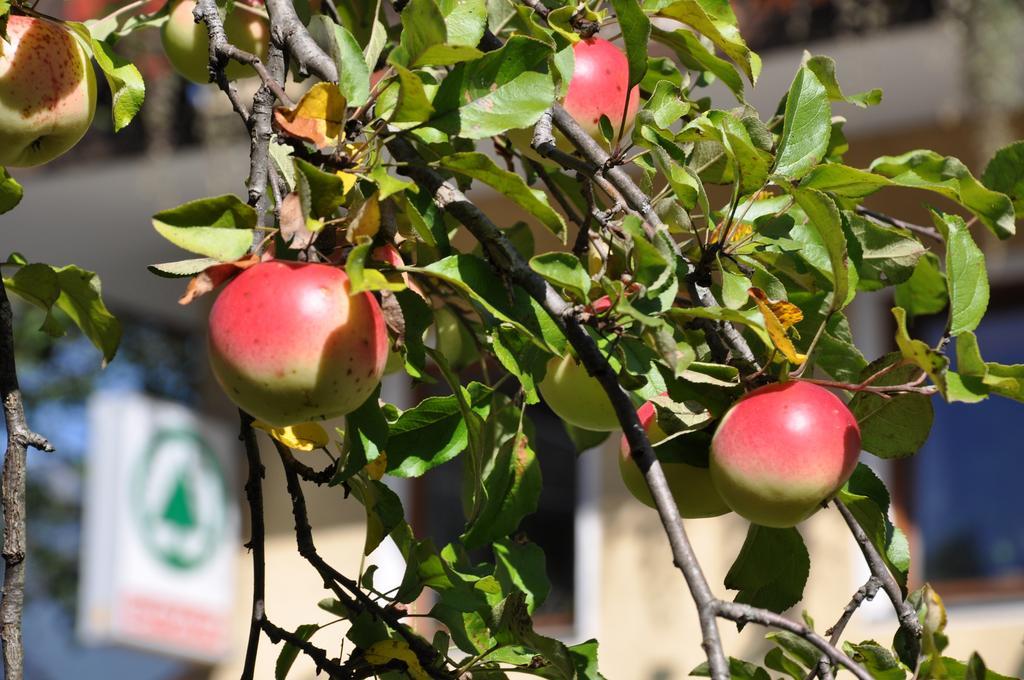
{"x": 318, "y": 118}
{"x": 297, "y": 230}
{"x": 778, "y": 316}
{"x": 211, "y": 277}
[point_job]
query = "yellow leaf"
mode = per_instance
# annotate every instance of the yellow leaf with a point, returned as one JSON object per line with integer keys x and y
{"x": 776, "y": 326}
{"x": 301, "y": 437}
{"x": 381, "y": 653}
{"x": 376, "y": 467}
{"x": 317, "y": 118}
{"x": 742, "y": 230}
{"x": 348, "y": 180}
{"x": 365, "y": 221}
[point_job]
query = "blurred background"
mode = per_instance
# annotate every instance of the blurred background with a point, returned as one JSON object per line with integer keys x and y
{"x": 953, "y": 81}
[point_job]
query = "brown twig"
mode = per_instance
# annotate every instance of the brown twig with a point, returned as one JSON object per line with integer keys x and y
{"x": 865, "y": 592}
{"x": 929, "y": 232}
{"x": 12, "y": 489}
{"x": 254, "y": 496}
{"x": 884, "y": 391}
{"x": 904, "y": 612}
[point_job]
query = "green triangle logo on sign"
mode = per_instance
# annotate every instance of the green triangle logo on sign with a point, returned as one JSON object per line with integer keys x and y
{"x": 179, "y": 506}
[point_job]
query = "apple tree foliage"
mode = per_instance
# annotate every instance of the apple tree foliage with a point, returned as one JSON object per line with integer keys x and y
{"x": 750, "y": 221}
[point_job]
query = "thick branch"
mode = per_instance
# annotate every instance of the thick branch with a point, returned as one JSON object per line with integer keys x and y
{"x": 254, "y": 495}
{"x": 19, "y": 438}
{"x": 287, "y": 32}
{"x": 742, "y": 613}
{"x": 508, "y": 260}
{"x": 904, "y": 612}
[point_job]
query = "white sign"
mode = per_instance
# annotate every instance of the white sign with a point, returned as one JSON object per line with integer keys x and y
{"x": 160, "y": 529}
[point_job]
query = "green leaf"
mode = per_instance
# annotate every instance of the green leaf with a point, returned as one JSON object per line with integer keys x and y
{"x": 966, "y": 277}
{"x": 925, "y": 291}
{"x": 795, "y": 648}
{"x": 868, "y": 500}
{"x": 482, "y": 168}
{"x": 522, "y": 566}
{"x": 825, "y": 70}
{"x": 844, "y": 181}
{"x": 383, "y": 509}
{"x": 220, "y": 227}
{"x": 824, "y": 216}
{"x": 182, "y": 268}
{"x": 919, "y": 353}
{"x": 1005, "y": 174}
{"x": 465, "y": 21}
{"x": 894, "y": 427}
{"x": 563, "y": 270}
{"x": 512, "y": 485}
{"x": 667, "y": 104}
{"x": 881, "y": 663}
{"x": 695, "y": 56}
{"x": 366, "y": 437}
{"x": 127, "y": 88}
{"x": 738, "y": 670}
{"x": 512, "y": 304}
{"x": 636, "y": 32}
{"x": 714, "y": 19}
{"x": 949, "y": 177}
{"x": 885, "y": 256}
{"x": 77, "y": 293}
{"x": 353, "y": 72}
{"x": 412, "y": 106}
{"x": 505, "y": 89}
{"x": 290, "y": 652}
{"x": 771, "y": 569}
{"x": 429, "y": 434}
{"x": 958, "y": 670}
{"x": 806, "y": 126}
{"x": 10, "y": 191}
{"x": 323, "y": 192}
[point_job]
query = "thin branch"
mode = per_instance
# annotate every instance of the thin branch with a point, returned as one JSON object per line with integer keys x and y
{"x": 929, "y": 232}
{"x": 904, "y": 612}
{"x": 254, "y": 495}
{"x": 508, "y": 260}
{"x": 19, "y": 438}
{"x": 742, "y": 613}
{"x": 729, "y": 340}
{"x": 912, "y": 387}
{"x": 359, "y": 600}
{"x": 835, "y": 633}
{"x": 331, "y": 667}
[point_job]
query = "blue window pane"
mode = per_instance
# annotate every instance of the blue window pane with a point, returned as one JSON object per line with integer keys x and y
{"x": 966, "y": 480}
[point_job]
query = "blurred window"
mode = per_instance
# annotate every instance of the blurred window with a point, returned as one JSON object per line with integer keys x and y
{"x": 961, "y": 492}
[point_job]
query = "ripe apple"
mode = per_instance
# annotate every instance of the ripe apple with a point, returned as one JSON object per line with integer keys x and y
{"x": 289, "y": 343}
{"x": 597, "y": 87}
{"x": 690, "y": 485}
{"x": 47, "y": 91}
{"x": 782, "y": 450}
{"x": 577, "y": 397}
{"x": 188, "y": 46}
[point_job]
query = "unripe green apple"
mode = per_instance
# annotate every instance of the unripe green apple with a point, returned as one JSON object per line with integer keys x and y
{"x": 290, "y": 344}
{"x": 577, "y": 397}
{"x": 454, "y": 340}
{"x": 690, "y": 485}
{"x": 598, "y": 86}
{"x": 782, "y": 450}
{"x": 47, "y": 91}
{"x": 188, "y": 46}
